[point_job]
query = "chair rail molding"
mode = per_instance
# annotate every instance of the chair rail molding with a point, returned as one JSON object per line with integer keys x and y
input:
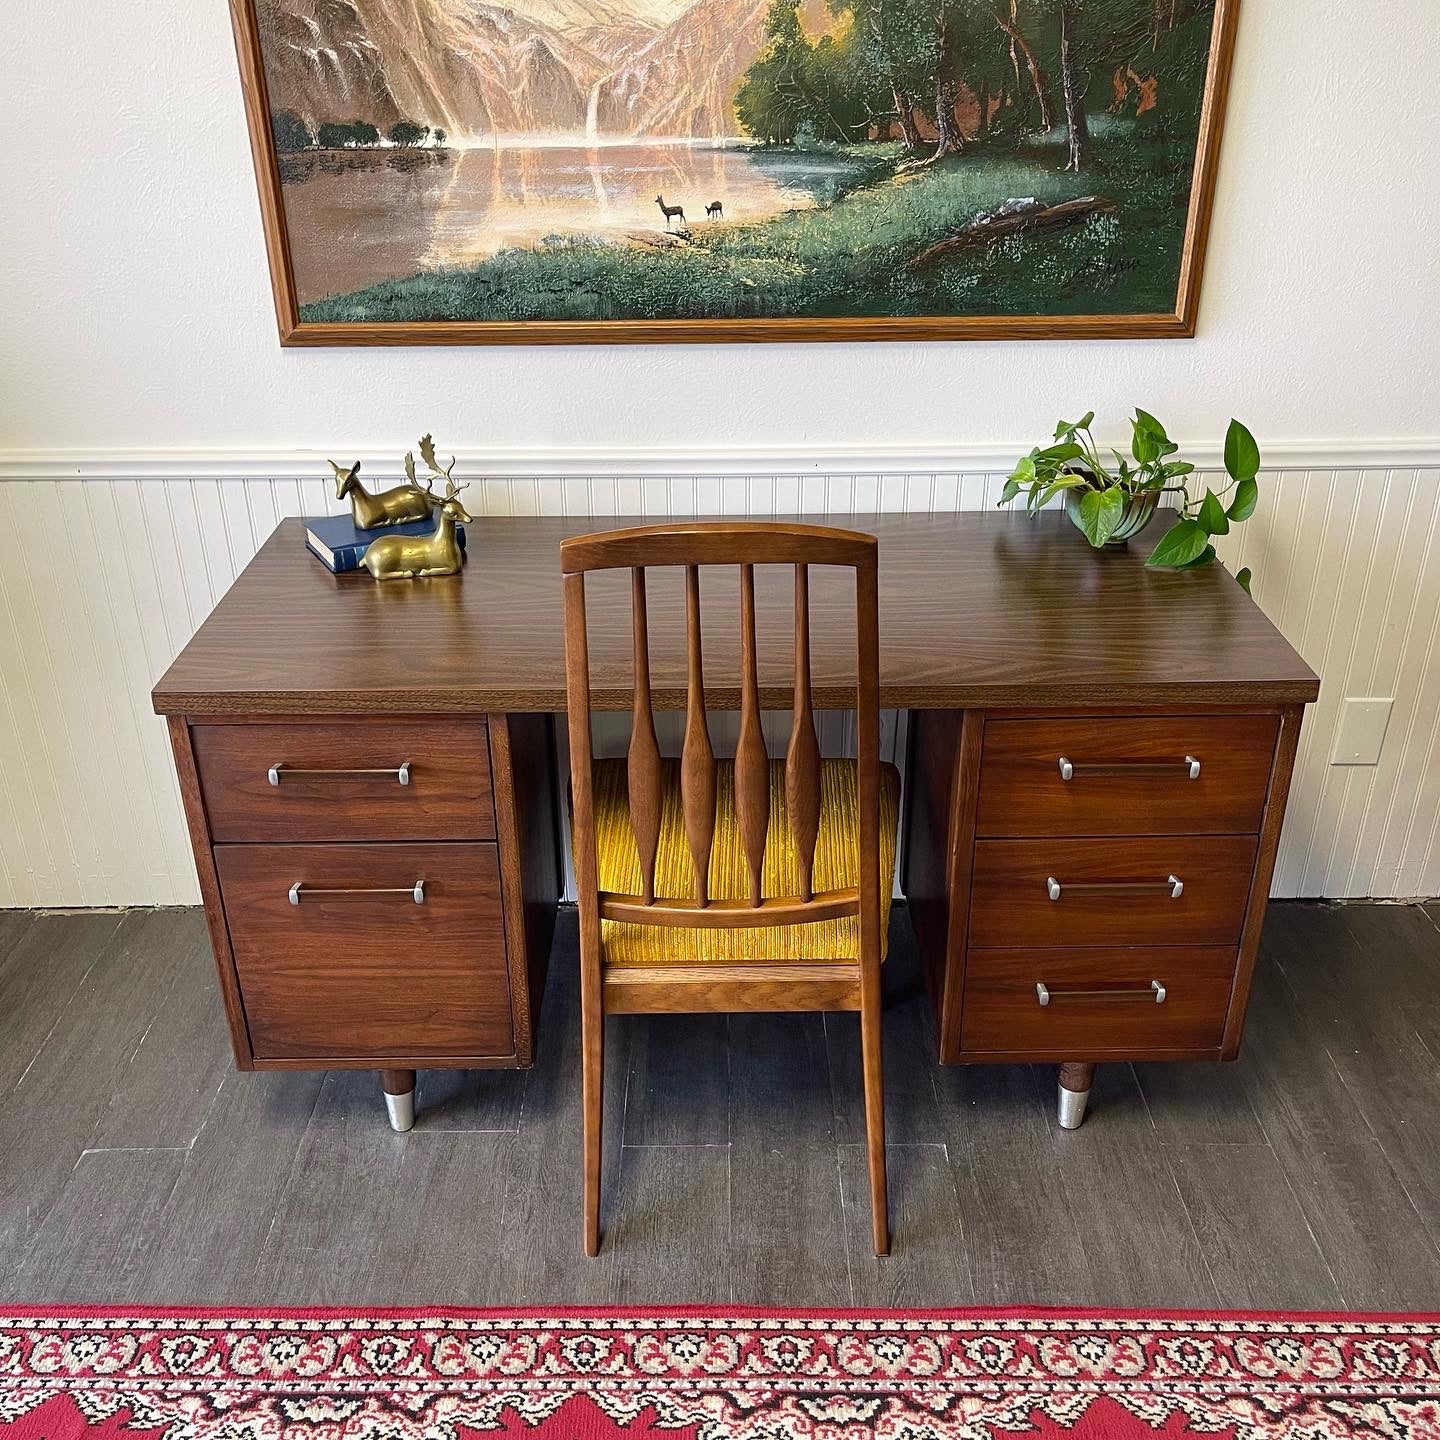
{"x": 138, "y": 547}
{"x": 562, "y": 462}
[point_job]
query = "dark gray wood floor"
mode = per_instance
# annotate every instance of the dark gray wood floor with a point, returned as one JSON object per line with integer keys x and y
{"x": 139, "y": 1167}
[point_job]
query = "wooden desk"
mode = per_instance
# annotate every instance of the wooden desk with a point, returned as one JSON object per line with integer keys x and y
{"x": 1012, "y": 643}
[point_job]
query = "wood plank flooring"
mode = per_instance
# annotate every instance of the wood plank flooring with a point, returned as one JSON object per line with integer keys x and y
{"x": 140, "y": 1167}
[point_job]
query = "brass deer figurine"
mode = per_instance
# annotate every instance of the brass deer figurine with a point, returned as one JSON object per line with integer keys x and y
{"x": 404, "y": 557}
{"x": 389, "y": 507}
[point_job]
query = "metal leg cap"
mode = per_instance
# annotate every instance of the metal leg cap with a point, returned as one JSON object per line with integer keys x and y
{"x": 1072, "y": 1107}
{"x": 402, "y": 1110}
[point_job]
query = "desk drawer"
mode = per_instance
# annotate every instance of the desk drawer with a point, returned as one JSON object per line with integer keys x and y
{"x": 1128, "y": 775}
{"x": 310, "y": 782}
{"x": 1002, "y": 1009}
{"x": 368, "y": 974}
{"x": 1111, "y": 891}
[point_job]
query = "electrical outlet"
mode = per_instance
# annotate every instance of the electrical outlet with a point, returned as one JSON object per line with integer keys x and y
{"x": 1362, "y": 730}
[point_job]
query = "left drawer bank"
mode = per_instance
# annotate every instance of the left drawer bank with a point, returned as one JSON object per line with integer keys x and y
{"x": 380, "y": 892}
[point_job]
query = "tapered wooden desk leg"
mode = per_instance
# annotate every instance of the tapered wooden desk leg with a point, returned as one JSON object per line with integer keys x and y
{"x": 1076, "y": 1078}
{"x": 399, "y": 1088}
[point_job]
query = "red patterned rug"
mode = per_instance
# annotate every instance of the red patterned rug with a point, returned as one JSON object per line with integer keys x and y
{"x": 691, "y": 1374}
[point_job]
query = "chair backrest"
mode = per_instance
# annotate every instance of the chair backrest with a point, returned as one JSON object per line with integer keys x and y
{"x": 695, "y": 545}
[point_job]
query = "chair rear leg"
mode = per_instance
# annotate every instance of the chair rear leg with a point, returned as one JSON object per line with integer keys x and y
{"x": 592, "y": 1036}
{"x": 874, "y": 1111}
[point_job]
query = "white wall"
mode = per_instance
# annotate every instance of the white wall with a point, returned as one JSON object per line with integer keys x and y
{"x": 137, "y": 311}
{"x": 144, "y": 401}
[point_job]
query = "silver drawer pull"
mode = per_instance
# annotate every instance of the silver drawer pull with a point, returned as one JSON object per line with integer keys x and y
{"x": 1131, "y": 767}
{"x": 1173, "y": 883}
{"x": 1155, "y": 991}
{"x": 400, "y": 773}
{"x": 416, "y": 892}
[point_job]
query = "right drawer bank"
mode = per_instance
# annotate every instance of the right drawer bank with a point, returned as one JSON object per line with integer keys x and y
{"x": 1091, "y": 886}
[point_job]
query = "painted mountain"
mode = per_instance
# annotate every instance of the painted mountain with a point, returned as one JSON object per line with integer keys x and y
{"x": 471, "y": 69}
{"x": 684, "y": 81}
{"x": 536, "y": 67}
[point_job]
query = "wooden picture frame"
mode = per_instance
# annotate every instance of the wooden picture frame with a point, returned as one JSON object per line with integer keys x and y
{"x": 1176, "y": 322}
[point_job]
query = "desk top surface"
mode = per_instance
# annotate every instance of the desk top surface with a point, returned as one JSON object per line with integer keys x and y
{"x": 976, "y": 610}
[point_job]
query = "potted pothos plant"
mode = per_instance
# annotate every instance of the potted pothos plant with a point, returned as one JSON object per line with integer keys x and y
{"x": 1111, "y": 503}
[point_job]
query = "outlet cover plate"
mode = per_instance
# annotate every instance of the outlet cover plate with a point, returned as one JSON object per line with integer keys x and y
{"x": 1361, "y": 733}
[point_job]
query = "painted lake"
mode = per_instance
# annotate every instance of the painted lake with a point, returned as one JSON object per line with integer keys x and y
{"x": 360, "y": 217}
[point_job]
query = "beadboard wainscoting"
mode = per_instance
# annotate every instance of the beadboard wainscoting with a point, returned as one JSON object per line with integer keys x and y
{"x": 114, "y": 563}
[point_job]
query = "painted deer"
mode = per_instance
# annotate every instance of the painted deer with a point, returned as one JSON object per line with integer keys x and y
{"x": 389, "y": 507}
{"x": 404, "y": 557}
{"x": 714, "y": 211}
{"x": 669, "y": 210}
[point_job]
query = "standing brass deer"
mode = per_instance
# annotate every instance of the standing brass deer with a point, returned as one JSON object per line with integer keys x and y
{"x": 389, "y": 507}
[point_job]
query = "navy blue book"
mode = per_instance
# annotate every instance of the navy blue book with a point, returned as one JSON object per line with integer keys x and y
{"x": 340, "y": 544}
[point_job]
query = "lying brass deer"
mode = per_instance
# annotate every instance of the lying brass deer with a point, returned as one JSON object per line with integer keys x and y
{"x": 404, "y": 557}
{"x": 389, "y": 507}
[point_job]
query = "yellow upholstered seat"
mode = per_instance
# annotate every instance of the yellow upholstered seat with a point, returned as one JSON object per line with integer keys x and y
{"x": 836, "y": 868}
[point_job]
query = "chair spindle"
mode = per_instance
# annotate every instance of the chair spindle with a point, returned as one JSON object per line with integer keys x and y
{"x": 752, "y": 762}
{"x": 802, "y": 758}
{"x": 697, "y": 759}
{"x": 644, "y": 772}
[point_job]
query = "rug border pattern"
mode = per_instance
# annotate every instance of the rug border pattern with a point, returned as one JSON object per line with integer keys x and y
{"x": 725, "y": 1371}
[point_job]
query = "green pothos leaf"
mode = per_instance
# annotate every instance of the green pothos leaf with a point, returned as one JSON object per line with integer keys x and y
{"x": 1212, "y": 515}
{"x": 1243, "y": 578}
{"x": 1062, "y": 453}
{"x": 1055, "y": 487}
{"x": 1144, "y": 443}
{"x": 1144, "y": 420}
{"x": 1183, "y": 542}
{"x": 1242, "y": 454}
{"x": 1242, "y": 507}
{"x": 1100, "y": 514}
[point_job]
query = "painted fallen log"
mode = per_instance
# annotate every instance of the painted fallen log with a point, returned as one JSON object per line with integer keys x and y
{"x": 1014, "y": 217}
{"x": 659, "y": 239}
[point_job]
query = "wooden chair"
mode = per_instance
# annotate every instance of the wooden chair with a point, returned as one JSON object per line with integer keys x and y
{"x": 752, "y": 885}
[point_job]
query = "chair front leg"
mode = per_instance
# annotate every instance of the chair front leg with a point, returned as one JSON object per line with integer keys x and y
{"x": 592, "y": 1086}
{"x": 870, "y": 1009}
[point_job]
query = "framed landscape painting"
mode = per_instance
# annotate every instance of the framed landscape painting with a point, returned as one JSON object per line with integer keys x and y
{"x": 459, "y": 171}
